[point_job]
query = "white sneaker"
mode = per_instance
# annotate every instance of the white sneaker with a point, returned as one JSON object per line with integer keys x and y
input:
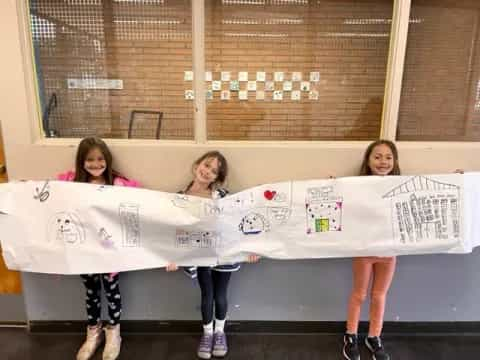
{"x": 93, "y": 341}
{"x": 113, "y": 341}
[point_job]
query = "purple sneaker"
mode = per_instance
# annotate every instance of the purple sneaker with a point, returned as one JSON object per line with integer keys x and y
{"x": 205, "y": 347}
{"x": 220, "y": 347}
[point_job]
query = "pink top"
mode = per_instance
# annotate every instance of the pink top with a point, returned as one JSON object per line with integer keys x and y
{"x": 118, "y": 180}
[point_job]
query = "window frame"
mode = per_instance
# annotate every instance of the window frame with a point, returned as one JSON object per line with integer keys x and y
{"x": 391, "y": 101}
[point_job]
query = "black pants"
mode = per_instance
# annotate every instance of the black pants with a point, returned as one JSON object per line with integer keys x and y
{"x": 93, "y": 300}
{"x": 213, "y": 286}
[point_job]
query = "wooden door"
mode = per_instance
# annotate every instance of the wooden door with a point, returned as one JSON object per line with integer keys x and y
{"x": 9, "y": 280}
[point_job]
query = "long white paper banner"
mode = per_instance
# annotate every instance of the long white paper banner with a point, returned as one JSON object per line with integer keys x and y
{"x": 73, "y": 228}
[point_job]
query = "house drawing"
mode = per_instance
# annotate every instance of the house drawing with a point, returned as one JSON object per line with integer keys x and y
{"x": 424, "y": 209}
{"x": 323, "y": 210}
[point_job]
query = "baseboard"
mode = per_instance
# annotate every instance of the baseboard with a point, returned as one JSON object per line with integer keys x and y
{"x": 273, "y": 327}
{"x": 13, "y": 324}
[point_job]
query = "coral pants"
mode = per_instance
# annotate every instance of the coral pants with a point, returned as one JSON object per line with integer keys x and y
{"x": 382, "y": 269}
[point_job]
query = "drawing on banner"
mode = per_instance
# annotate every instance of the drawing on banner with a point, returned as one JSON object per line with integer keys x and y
{"x": 278, "y": 205}
{"x": 101, "y": 188}
{"x": 280, "y": 197}
{"x": 279, "y": 214}
{"x": 397, "y": 215}
{"x": 181, "y": 201}
{"x": 254, "y": 223}
{"x": 273, "y": 195}
{"x": 424, "y": 209}
{"x": 67, "y": 228}
{"x": 43, "y": 194}
{"x": 323, "y": 210}
{"x": 212, "y": 209}
{"x": 269, "y": 194}
{"x": 105, "y": 238}
{"x": 130, "y": 221}
{"x": 238, "y": 202}
{"x": 197, "y": 239}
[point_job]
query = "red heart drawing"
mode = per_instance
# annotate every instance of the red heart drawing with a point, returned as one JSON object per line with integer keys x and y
{"x": 269, "y": 195}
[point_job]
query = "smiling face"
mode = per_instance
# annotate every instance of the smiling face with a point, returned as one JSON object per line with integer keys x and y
{"x": 381, "y": 160}
{"x": 95, "y": 163}
{"x": 206, "y": 172}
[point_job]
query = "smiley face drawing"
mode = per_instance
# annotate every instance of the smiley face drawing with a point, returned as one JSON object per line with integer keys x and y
{"x": 254, "y": 223}
{"x": 67, "y": 228}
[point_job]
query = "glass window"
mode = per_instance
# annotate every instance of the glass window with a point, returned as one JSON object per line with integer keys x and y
{"x": 441, "y": 83}
{"x": 296, "y": 69}
{"x": 113, "y": 68}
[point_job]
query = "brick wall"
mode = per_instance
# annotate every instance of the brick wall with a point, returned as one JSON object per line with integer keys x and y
{"x": 335, "y": 38}
{"x": 440, "y": 83}
{"x": 147, "y": 44}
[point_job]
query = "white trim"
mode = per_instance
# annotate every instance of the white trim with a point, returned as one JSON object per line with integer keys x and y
{"x": 436, "y": 145}
{"x": 31, "y": 87}
{"x": 396, "y": 58}
{"x": 198, "y": 57}
{"x": 399, "y": 26}
{"x": 238, "y": 144}
{"x": 233, "y": 269}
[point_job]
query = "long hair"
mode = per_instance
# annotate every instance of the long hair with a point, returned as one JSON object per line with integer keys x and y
{"x": 222, "y": 168}
{"x": 365, "y": 168}
{"x": 87, "y": 144}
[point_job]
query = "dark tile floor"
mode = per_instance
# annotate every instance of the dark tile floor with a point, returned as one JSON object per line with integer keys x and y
{"x": 18, "y": 344}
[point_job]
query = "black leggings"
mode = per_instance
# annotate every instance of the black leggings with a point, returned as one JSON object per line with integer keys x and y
{"x": 93, "y": 300}
{"x": 213, "y": 286}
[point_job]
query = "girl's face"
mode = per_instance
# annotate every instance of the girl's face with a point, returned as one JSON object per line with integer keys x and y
{"x": 381, "y": 160}
{"x": 206, "y": 172}
{"x": 95, "y": 163}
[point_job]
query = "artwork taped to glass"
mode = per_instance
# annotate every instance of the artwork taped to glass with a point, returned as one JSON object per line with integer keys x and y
{"x": 80, "y": 229}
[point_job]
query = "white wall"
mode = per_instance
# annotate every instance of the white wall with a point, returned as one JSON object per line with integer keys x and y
{"x": 304, "y": 290}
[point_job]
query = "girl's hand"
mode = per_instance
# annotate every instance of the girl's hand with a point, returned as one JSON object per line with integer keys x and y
{"x": 459, "y": 171}
{"x": 171, "y": 267}
{"x": 253, "y": 258}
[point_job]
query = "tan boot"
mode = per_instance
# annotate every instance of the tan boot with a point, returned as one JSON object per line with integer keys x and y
{"x": 93, "y": 341}
{"x": 113, "y": 341}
